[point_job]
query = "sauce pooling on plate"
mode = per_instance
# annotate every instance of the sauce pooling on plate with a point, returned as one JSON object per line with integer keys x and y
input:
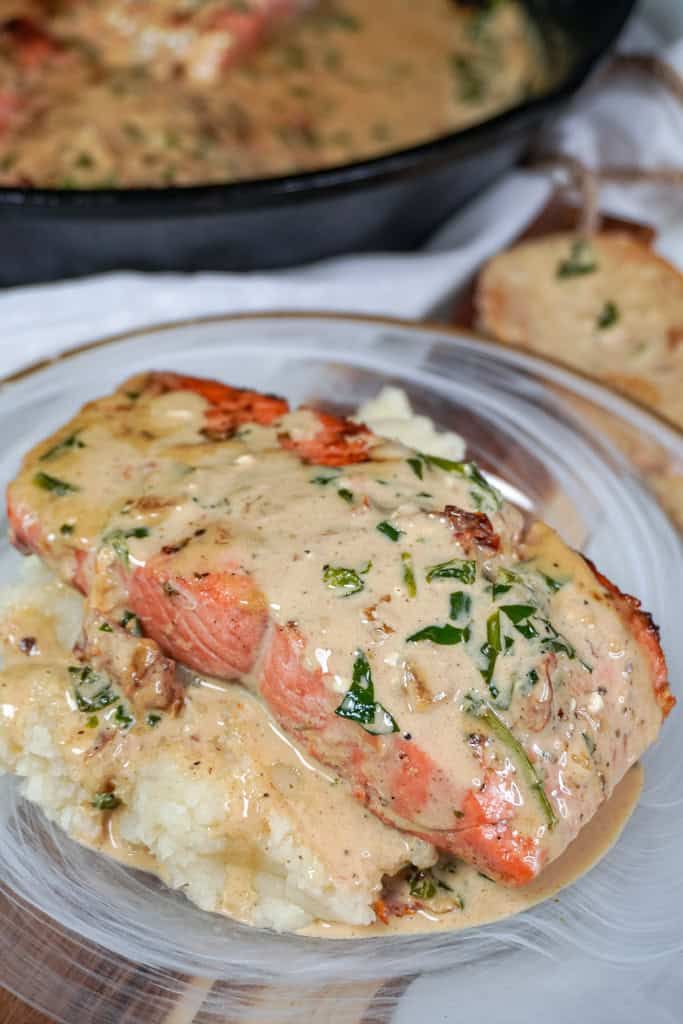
{"x": 123, "y": 94}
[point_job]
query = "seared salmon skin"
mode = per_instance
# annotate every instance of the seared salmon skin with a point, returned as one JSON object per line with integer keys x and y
{"x": 478, "y": 684}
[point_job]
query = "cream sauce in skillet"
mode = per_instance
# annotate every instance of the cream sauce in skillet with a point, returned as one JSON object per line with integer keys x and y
{"x": 132, "y": 95}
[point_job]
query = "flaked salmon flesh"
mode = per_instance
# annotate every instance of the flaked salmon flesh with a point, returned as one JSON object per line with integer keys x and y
{"x": 477, "y": 683}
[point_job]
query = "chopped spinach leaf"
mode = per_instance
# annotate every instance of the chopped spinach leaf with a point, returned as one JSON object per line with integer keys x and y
{"x": 491, "y": 649}
{"x": 118, "y": 538}
{"x": 131, "y": 622}
{"x": 555, "y": 642}
{"x": 409, "y": 574}
{"x": 91, "y": 691}
{"x": 504, "y": 582}
{"x": 460, "y": 605}
{"x": 475, "y": 705}
{"x": 122, "y": 718}
{"x": 346, "y": 494}
{"x": 389, "y": 531}
{"x": 106, "y": 801}
{"x": 338, "y": 577}
{"x": 106, "y": 628}
{"x": 518, "y": 614}
{"x": 590, "y": 743}
{"x": 417, "y": 467}
{"x": 461, "y": 569}
{"x": 552, "y": 584}
{"x": 153, "y": 719}
{"x": 445, "y": 635}
{"x": 66, "y": 529}
{"x": 422, "y": 884}
{"x": 359, "y": 702}
{"x": 323, "y": 481}
{"x": 487, "y": 495}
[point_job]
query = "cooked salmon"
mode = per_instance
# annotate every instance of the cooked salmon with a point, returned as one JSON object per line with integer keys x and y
{"x": 479, "y": 684}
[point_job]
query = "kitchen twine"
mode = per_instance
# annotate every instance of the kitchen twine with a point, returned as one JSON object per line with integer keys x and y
{"x": 585, "y": 181}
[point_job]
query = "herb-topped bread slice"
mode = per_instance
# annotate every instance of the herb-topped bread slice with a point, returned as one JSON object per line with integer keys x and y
{"x": 609, "y": 307}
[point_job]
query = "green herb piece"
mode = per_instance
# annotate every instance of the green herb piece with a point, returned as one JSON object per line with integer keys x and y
{"x": 106, "y": 801}
{"x": 470, "y": 81}
{"x": 468, "y": 471}
{"x": 101, "y": 699}
{"x": 346, "y": 495}
{"x": 481, "y": 709}
{"x": 92, "y": 722}
{"x": 417, "y": 467}
{"x": 445, "y": 635}
{"x": 422, "y": 885}
{"x": 132, "y": 395}
{"x": 323, "y": 481}
{"x": 504, "y": 582}
{"x": 609, "y": 316}
{"x": 100, "y": 693}
{"x": 518, "y": 614}
{"x": 590, "y": 743}
{"x": 129, "y": 619}
{"x": 72, "y": 441}
{"x": 491, "y": 649}
{"x": 153, "y": 719}
{"x": 556, "y": 642}
{"x": 409, "y": 574}
{"x": 122, "y": 718}
{"x": 581, "y": 260}
{"x": 461, "y": 569}
{"x": 359, "y": 702}
{"x": 54, "y": 484}
{"x": 339, "y": 578}
{"x": 118, "y": 538}
{"x": 459, "y": 814}
{"x": 66, "y": 529}
{"x": 552, "y": 584}
{"x": 106, "y": 628}
{"x": 389, "y": 531}
{"x": 460, "y": 605}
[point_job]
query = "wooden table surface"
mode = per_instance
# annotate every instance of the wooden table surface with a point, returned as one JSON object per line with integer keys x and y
{"x": 14, "y": 1011}
{"x": 373, "y": 1007}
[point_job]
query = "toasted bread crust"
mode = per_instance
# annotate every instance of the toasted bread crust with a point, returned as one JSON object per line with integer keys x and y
{"x": 620, "y": 321}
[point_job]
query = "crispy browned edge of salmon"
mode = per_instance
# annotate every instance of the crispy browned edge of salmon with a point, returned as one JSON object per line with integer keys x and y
{"x": 646, "y": 632}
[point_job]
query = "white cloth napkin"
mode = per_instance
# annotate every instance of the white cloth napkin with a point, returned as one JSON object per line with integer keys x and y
{"x": 624, "y": 119}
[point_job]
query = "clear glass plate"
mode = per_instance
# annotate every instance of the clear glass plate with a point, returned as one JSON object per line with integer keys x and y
{"x": 85, "y": 939}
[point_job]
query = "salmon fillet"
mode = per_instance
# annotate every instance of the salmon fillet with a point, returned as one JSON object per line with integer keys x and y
{"x": 165, "y": 36}
{"x": 479, "y": 684}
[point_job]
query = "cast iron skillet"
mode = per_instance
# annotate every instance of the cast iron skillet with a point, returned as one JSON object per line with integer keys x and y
{"x": 391, "y": 202}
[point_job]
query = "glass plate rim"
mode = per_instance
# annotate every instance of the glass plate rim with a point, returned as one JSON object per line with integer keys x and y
{"x": 516, "y": 355}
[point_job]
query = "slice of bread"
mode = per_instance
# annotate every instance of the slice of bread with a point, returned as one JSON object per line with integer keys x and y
{"x": 609, "y": 307}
